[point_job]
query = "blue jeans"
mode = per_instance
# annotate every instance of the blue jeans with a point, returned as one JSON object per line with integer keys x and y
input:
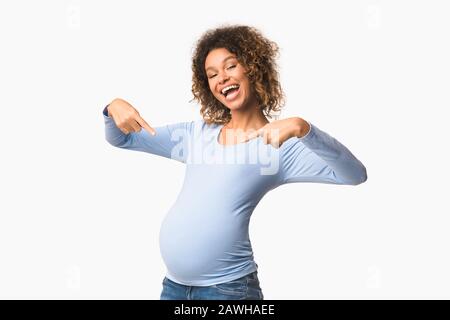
{"x": 244, "y": 288}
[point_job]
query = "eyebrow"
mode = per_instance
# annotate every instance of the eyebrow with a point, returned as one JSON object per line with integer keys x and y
{"x": 227, "y": 58}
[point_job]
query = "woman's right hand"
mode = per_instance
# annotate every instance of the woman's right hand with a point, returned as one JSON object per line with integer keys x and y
{"x": 127, "y": 118}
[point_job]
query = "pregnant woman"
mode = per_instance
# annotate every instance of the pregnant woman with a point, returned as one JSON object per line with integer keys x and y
{"x": 233, "y": 156}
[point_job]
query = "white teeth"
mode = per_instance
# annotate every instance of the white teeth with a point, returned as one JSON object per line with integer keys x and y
{"x": 224, "y": 90}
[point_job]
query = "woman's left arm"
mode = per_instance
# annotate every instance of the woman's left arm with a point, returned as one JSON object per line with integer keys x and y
{"x": 308, "y": 154}
{"x": 319, "y": 157}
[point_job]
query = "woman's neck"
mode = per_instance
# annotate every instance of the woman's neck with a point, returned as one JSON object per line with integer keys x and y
{"x": 247, "y": 120}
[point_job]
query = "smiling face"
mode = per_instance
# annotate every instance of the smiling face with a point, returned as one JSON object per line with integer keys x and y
{"x": 227, "y": 79}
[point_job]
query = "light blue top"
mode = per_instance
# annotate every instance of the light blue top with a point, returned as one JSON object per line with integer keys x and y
{"x": 204, "y": 237}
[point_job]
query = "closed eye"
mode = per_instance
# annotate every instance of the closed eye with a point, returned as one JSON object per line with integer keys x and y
{"x": 230, "y": 67}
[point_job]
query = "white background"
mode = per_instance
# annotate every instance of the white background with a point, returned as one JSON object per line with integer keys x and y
{"x": 80, "y": 218}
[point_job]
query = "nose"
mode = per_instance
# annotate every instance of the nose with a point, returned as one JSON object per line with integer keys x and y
{"x": 223, "y": 77}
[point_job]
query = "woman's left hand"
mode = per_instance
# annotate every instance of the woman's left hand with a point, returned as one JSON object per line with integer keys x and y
{"x": 278, "y": 131}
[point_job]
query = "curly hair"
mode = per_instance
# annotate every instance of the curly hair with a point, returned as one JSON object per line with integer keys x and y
{"x": 255, "y": 52}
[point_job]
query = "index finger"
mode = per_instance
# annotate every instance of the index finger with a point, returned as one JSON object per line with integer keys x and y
{"x": 253, "y": 135}
{"x": 145, "y": 125}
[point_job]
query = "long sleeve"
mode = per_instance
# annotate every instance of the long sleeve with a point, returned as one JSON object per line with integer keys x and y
{"x": 171, "y": 140}
{"x": 318, "y": 157}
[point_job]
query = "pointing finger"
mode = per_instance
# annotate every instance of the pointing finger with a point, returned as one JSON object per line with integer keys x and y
{"x": 145, "y": 125}
{"x": 254, "y": 134}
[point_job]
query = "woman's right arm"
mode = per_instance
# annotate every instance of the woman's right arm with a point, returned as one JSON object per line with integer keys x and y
{"x": 123, "y": 129}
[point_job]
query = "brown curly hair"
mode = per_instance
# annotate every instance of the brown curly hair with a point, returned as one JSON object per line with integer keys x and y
{"x": 255, "y": 52}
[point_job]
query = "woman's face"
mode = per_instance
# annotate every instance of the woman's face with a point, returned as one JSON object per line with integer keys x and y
{"x": 223, "y": 70}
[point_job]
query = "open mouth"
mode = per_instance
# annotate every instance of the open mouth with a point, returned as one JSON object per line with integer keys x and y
{"x": 231, "y": 92}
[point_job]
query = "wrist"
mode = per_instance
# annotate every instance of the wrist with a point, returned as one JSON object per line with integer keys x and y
{"x": 302, "y": 127}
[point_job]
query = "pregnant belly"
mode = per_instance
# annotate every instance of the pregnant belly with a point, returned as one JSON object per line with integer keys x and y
{"x": 197, "y": 244}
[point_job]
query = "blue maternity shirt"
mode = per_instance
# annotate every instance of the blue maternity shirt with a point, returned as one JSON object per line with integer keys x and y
{"x": 204, "y": 238}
